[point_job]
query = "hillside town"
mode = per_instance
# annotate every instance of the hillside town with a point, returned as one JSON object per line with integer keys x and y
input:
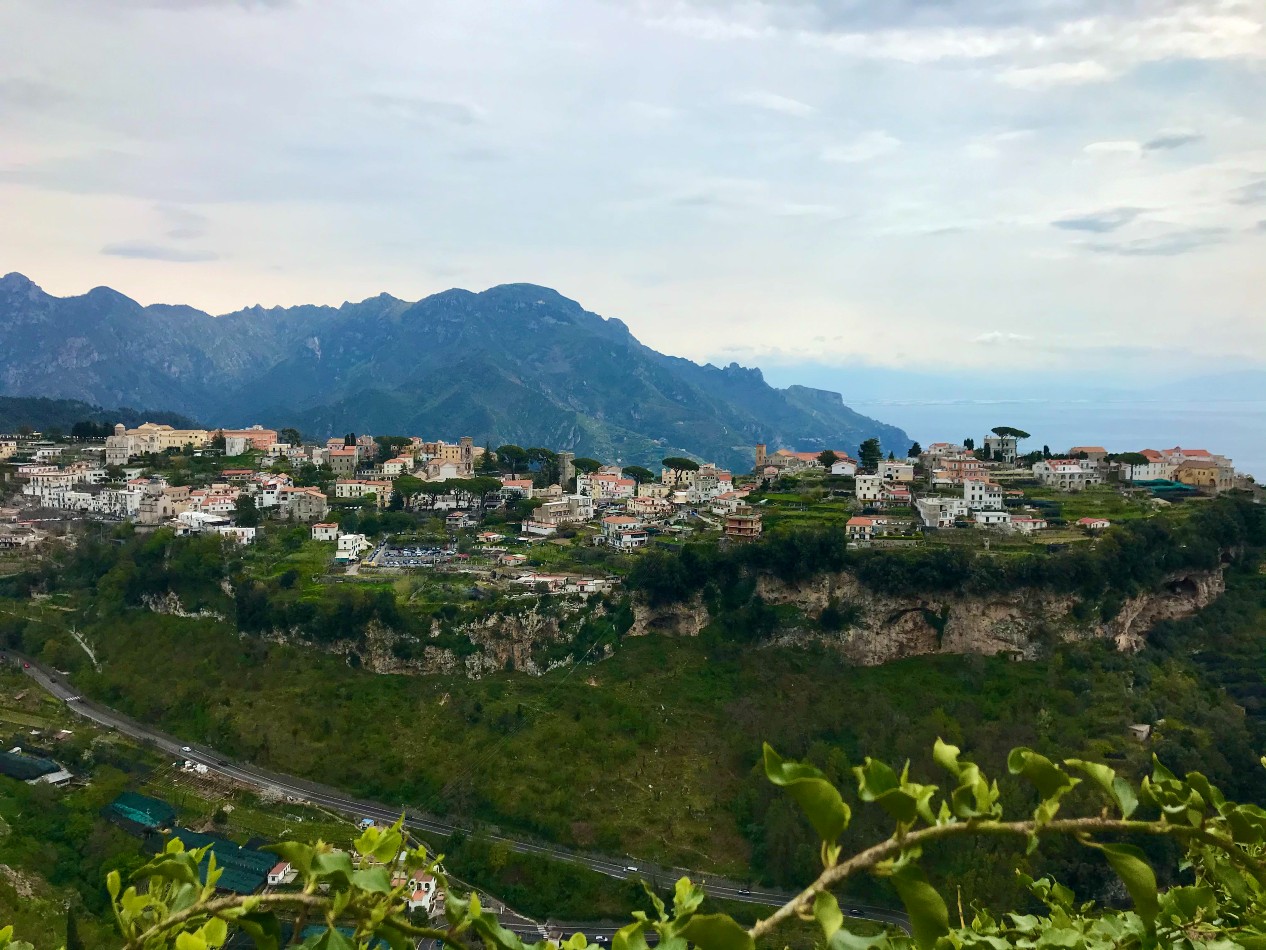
{"x": 494, "y": 506}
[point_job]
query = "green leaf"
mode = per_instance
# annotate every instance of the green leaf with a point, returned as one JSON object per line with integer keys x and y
{"x": 1183, "y": 905}
{"x": 113, "y": 883}
{"x": 817, "y": 798}
{"x": 903, "y": 800}
{"x": 1112, "y": 785}
{"x": 826, "y": 910}
{"x": 176, "y": 867}
{"x": 630, "y": 937}
{"x": 929, "y": 917}
{"x": 1136, "y": 874}
{"x": 375, "y": 880}
{"x": 328, "y": 939}
{"x": 332, "y": 866}
{"x": 263, "y": 928}
{"x": 1051, "y": 782}
{"x": 847, "y": 940}
{"x": 298, "y": 855}
{"x": 687, "y": 897}
{"x": 188, "y": 941}
{"x": 214, "y": 932}
{"x": 718, "y": 931}
{"x": 656, "y": 902}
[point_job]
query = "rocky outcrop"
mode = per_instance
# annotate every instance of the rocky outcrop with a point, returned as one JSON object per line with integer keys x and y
{"x": 169, "y": 603}
{"x": 496, "y": 642}
{"x": 883, "y": 628}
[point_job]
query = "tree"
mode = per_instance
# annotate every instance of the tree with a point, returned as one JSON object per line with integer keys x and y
{"x": 915, "y": 451}
{"x": 290, "y": 435}
{"x": 827, "y": 458}
{"x": 349, "y": 440}
{"x": 513, "y": 457}
{"x": 586, "y": 466}
{"x": 676, "y": 464}
{"x": 870, "y": 454}
{"x": 487, "y": 464}
{"x": 389, "y": 446}
{"x": 245, "y": 512}
{"x": 969, "y": 444}
{"x": 407, "y": 486}
{"x": 639, "y": 474}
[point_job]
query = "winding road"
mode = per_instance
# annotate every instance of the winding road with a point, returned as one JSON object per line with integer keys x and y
{"x": 623, "y": 869}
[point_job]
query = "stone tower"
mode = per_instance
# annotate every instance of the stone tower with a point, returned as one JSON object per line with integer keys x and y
{"x": 566, "y": 470}
{"x": 760, "y": 457}
{"x": 467, "y": 455}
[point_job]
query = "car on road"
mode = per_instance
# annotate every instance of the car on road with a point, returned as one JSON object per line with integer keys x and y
{"x": 185, "y": 748}
{"x": 746, "y": 892}
{"x": 26, "y": 666}
{"x": 632, "y": 868}
{"x": 852, "y": 911}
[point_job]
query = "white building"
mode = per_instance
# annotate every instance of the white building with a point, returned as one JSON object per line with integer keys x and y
{"x": 1003, "y": 448}
{"x": 606, "y": 486}
{"x": 1027, "y": 524}
{"x": 982, "y": 495}
{"x": 351, "y": 547}
{"x": 1067, "y": 474}
{"x": 938, "y": 512}
{"x": 894, "y": 471}
{"x": 843, "y": 467}
{"x": 993, "y": 519}
{"x": 869, "y": 488}
{"x": 325, "y": 531}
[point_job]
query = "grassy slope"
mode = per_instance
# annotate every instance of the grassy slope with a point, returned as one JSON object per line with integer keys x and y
{"x": 650, "y": 752}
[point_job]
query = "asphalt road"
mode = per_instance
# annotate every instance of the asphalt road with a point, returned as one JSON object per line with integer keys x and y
{"x": 624, "y": 869}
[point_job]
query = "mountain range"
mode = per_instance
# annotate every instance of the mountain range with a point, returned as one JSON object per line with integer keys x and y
{"x": 516, "y": 363}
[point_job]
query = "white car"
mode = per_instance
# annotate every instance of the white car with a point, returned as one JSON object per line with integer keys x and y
{"x": 631, "y": 868}
{"x": 185, "y": 748}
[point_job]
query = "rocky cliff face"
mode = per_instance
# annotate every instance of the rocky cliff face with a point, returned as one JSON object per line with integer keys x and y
{"x": 886, "y": 628}
{"x": 880, "y": 629}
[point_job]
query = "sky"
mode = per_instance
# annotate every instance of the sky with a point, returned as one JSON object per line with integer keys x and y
{"x": 984, "y": 188}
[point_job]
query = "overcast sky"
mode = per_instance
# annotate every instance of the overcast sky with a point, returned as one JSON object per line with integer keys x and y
{"x": 961, "y": 184}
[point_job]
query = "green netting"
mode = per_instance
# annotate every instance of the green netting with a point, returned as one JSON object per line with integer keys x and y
{"x": 25, "y": 767}
{"x": 143, "y": 810}
{"x": 244, "y": 869}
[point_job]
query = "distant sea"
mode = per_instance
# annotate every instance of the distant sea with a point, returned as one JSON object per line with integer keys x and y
{"x": 1236, "y": 429}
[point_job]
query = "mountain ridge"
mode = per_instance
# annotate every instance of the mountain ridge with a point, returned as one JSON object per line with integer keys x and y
{"x": 513, "y": 363}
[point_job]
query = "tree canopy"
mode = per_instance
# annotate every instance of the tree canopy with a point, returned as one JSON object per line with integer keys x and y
{"x": 586, "y": 466}
{"x": 870, "y": 454}
{"x": 827, "y": 458}
{"x": 513, "y": 457}
{"x": 1003, "y": 431}
{"x": 639, "y": 474}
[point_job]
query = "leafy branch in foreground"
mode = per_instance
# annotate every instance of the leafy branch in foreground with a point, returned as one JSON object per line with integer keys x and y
{"x": 353, "y": 900}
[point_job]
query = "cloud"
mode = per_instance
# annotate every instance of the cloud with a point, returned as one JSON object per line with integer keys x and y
{"x": 1164, "y": 245}
{"x": 772, "y": 102}
{"x": 865, "y": 147}
{"x": 996, "y": 337}
{"x": 427, "y": 111}
{"x": 27, "y": 94}
{"x": 1056, "y": 74}
{"x": 1171, "y": 139}
{"x": 1254, "y": 193}
{"x": 181, "y": 223}
{"x": 1123, "y": 147}
{"x": 1099, "y": 222}
{"x": 146, "y": 251}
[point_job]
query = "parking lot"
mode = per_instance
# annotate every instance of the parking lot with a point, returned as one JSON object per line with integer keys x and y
{"x": 413, "y": 556}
